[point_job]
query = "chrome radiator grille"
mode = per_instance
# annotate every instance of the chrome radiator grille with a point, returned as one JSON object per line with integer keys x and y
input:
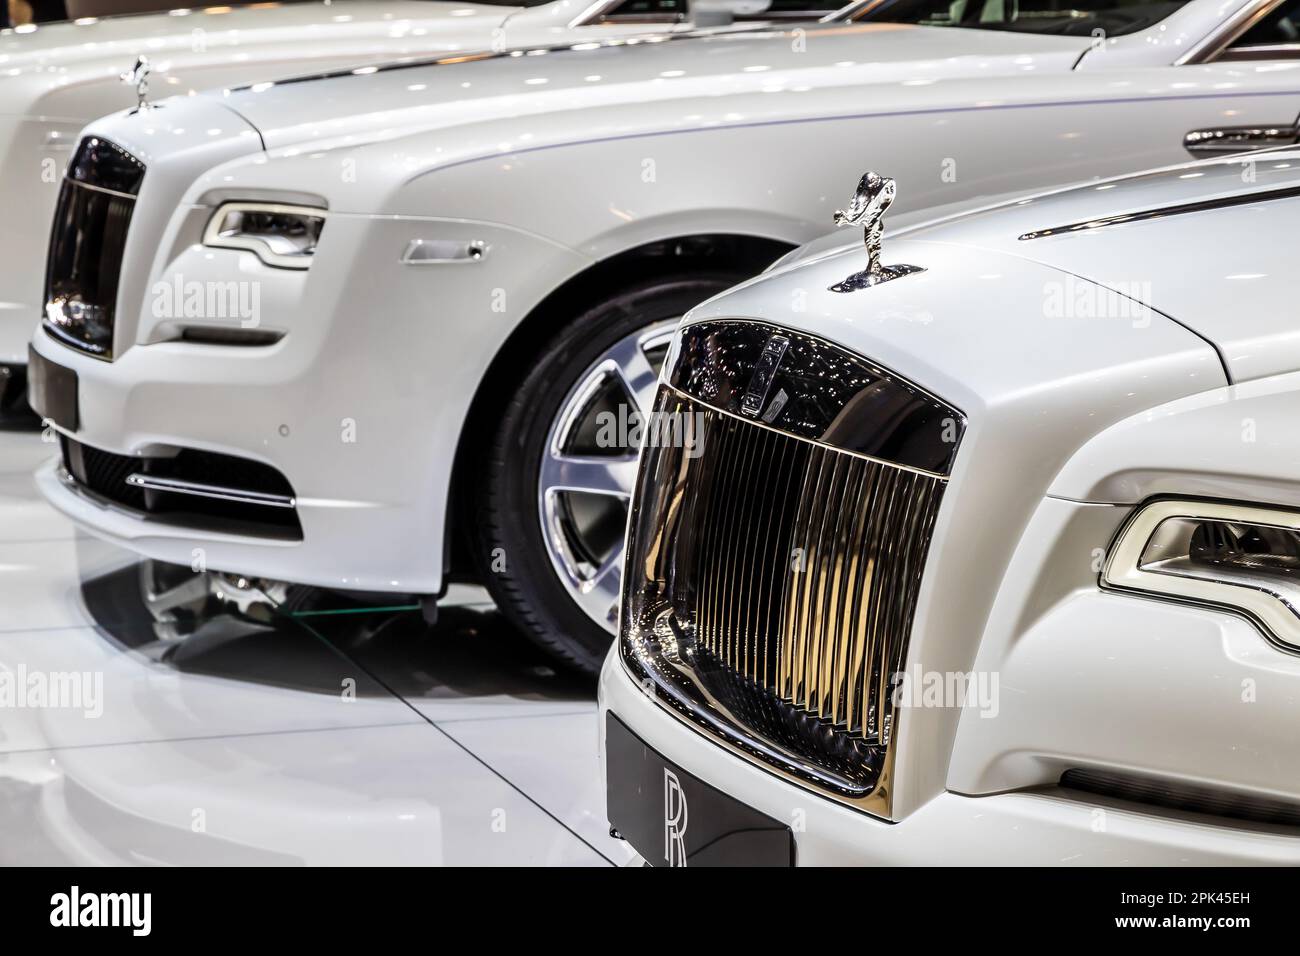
{"x": 88, "y": 244}
{"x": 772, "y": 578}
{"x": 810, "y": 560}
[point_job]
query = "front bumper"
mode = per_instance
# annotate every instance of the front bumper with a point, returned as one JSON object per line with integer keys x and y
{"x": 1041, "y": 827}
{"x": 360, "y": 405}
{"x": 357, "y": 502}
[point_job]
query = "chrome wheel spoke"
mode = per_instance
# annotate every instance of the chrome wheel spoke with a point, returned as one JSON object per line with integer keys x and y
{"x": 591, "y": 474}
{"x": 601, "y": 592}
{"x": 638, "y": 376}
{"x": 587, "y": 562}
{"x": 612, "y": 568}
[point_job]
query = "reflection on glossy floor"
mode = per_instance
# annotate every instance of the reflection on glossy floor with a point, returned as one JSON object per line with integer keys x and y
{"x": 201, "y": 734}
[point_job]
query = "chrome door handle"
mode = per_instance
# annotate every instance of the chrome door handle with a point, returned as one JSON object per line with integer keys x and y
{"x": 1223, "y": 140}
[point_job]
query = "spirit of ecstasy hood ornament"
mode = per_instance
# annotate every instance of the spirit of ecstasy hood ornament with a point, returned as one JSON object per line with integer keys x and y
{"x": 867, "y": 209}
{"x": 138, "y": 76}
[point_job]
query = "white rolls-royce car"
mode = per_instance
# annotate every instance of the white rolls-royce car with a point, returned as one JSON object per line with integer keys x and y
{"x": 985, "y": 547}
{"x": 56, "y": 78}
{"x": 372, "y": 328}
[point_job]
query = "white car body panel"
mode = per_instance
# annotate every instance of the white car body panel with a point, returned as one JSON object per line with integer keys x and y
{"x": 1048, "y": 471}
{"x": 1029, "y": 407}
{"x": 1170, "y": 673}
{"x": 1253, "y": 342}
{"x": 761, "y": 136}
{"x": 1236, "y": 442}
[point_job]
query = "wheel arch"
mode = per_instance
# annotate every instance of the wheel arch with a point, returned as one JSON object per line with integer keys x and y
{"x": 745, "y": 254}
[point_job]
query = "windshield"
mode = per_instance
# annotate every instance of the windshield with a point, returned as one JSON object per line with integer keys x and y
{"x": 1065, "y": 17}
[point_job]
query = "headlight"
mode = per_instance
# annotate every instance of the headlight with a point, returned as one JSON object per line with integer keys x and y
{"x": 280, "y": 235}
{"x": 1238, "y": 557}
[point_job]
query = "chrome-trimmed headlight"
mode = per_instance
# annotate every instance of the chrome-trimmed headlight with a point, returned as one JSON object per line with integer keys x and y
{"x": 283, "y": 236}
{"x": 1241, "y": 558}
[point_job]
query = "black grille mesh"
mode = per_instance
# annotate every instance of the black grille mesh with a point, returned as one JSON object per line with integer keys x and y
{"x": 1189, "y": 798}
{"x": 104, "y": 473}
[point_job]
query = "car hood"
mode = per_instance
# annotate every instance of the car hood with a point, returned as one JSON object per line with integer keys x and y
{"x": 69, "y": 70}
{"x": 654, "y": 74}
{"x": 1185, "y": 240}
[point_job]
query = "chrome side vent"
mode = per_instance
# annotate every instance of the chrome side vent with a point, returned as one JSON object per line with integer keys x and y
{"x": 772, "y": 577}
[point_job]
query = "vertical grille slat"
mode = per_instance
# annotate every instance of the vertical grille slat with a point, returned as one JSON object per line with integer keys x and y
{"x": 852, "y": 595}
{"x": 798, "y": 554}
{"x": 731, "y": 570}
{"x": 874, "y": 673}
{"x": 781, "y": 556}
{"x": 756, "y": 526}
{"x": 790, "y": 591}
{"x": 848, "y": 594}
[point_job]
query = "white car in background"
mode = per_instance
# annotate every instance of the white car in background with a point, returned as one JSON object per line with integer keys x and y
{"x": 56, "y": 78}
{"x": 451, "y": 281}
{"x": 994, "y": 557}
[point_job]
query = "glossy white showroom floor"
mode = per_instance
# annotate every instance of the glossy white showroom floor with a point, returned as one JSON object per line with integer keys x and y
{"x": 223, "y": 739}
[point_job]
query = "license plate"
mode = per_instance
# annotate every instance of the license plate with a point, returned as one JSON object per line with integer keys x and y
{"x": 52, "y": 391}
{"x": 674, "y": 819}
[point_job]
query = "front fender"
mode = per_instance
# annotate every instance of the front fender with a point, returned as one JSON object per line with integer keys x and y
{"x": 1233, "y": 442}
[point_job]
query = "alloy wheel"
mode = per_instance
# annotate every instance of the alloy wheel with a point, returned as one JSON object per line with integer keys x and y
{"x": 589, "y": 466}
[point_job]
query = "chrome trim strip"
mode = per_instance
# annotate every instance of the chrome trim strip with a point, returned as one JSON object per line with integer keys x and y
{"x": 717, "y": 361}
{"x": 1226, "y": 140}
{"x": 569, "y": 46}
{"x": 884, "y": 463}
{"x": 842, "y": 15}
{"x": 1261, "y": 51}
{"x": 852, "y": 12}
{"x": 1201, "y": 205}
{"x": 176, "y": 486}
{"x": 593, "y": 13}
{"x": 82, "y": 184}
{"x": 1234, "y": 27}
{"x": 67, "y": 341}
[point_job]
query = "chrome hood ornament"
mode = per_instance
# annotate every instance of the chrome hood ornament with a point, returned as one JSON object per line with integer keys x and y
{"x": 138, "y": 76}
{"x": 872, "y": 199}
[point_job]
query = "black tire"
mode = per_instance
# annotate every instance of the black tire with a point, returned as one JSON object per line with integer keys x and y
{"x": 529, "y": 591}
{"x": 15, "y": 413}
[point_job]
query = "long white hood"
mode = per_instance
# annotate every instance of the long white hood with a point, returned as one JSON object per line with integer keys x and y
{"x": 673, "y": 80}
{"x": 1182, "y": 240}
{"x": 69, "y": 71}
